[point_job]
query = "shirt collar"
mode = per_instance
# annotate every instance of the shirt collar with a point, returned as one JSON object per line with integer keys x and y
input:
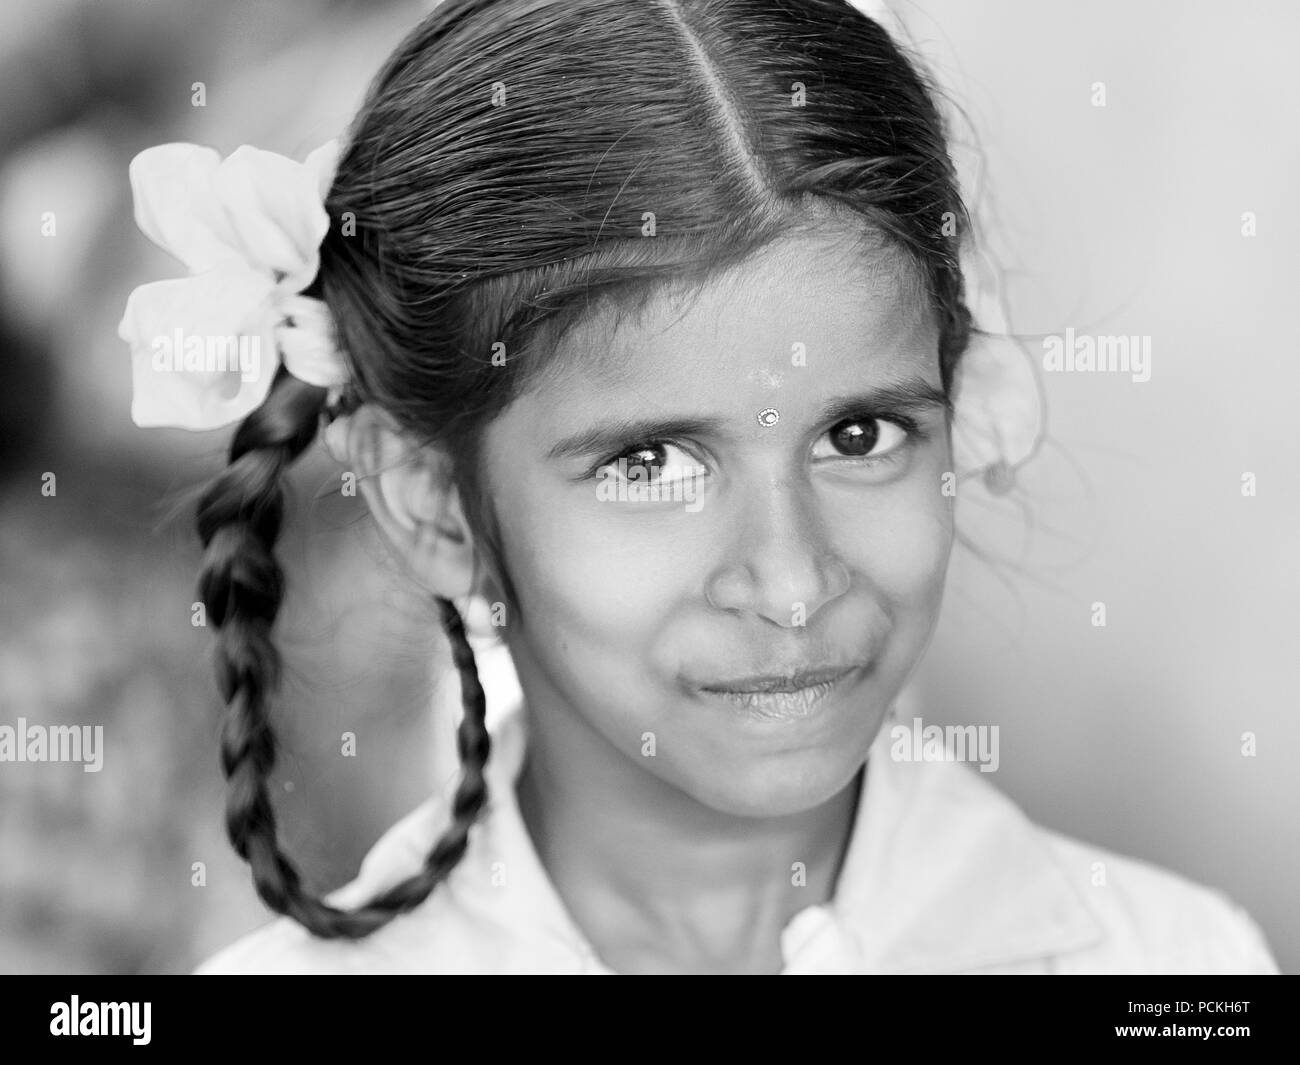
{"x": 942, "y": 873}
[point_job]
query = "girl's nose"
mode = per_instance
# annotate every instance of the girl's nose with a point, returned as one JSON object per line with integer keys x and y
{"x": 780, "y": 564}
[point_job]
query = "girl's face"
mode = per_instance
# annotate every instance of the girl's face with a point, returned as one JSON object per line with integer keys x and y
{"x": 741, "y": 636}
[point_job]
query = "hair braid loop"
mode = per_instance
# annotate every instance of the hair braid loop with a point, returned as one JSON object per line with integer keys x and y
{"x": 242, "y": 585}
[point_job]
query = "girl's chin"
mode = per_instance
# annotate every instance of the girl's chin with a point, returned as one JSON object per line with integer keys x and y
{"x": 778, "y": 786}
{"x": 775, "y": 755}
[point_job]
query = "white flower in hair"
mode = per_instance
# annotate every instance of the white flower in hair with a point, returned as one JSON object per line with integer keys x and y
{"x": 205, "y": 348}
{"x": 998, "y": 424}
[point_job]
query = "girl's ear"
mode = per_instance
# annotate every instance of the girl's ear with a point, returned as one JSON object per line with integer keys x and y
{"x": 412, "y": 496}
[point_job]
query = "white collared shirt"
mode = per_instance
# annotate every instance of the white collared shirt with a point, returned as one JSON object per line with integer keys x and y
{"x": 943, "y": 874}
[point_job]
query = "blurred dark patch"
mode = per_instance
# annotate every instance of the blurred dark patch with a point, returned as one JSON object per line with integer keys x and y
{"x": 26, "y": 395}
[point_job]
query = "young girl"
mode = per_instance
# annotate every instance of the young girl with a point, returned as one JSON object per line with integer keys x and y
{"x": 644, "y": 326}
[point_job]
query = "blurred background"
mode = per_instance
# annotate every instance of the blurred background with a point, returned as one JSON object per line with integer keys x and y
{"x": 1122, "y": 219}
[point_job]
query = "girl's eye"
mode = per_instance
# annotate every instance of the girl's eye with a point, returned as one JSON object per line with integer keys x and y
{"x": 652, "y": 463}
{"x": 861, "y": 437}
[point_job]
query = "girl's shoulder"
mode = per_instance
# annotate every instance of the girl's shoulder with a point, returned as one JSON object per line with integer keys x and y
{"x": 439, "y": 934}
{"x": 496, "y": 912}
{"x": 285, "y": 947}
{"x": 1155, "y": 920}
{"x": 1001, "y": 892}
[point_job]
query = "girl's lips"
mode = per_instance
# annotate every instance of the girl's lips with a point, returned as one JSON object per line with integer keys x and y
{"x": 778, "y": 683}
{"x": 779, "y": 698}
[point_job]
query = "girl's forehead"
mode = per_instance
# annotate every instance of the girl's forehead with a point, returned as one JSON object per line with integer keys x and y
{"x": 807, "y": 310}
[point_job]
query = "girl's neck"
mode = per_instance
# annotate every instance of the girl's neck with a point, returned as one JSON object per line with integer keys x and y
{"x": 659, "y": 882}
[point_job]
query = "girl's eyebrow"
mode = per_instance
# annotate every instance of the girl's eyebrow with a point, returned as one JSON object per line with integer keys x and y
{"x": 915, "y": 395}
{"x": 620, "y": 432}
{"x": 912, "y": 396}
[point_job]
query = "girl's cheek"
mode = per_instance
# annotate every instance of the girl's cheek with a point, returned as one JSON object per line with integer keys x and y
{"x": 921, "y": 556}
{"x": 897, "y": 539}
{"x": 593, "y": 571}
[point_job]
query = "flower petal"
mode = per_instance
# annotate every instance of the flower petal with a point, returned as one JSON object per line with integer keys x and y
{"x": 273, "y": 205}
{"x": 202, "y": 348}
{"x": 176, "y": 205}
{"x": 335, "y": 437}
{"x": 998, "y": 421}
{"x": 998, "y": 408}
{"x": 322, "y": 164}
{"x": 308, "y": 347}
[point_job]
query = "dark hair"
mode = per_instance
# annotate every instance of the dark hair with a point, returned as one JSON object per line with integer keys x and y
{"x": 495, "y": 189}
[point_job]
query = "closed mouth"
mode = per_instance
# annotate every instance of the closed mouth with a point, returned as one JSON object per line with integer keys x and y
{"x": 776, "y": 684}
{"x": 782, "y": 697}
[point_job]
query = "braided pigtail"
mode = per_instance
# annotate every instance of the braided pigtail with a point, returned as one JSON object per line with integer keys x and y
{"x": 242, "y": 585}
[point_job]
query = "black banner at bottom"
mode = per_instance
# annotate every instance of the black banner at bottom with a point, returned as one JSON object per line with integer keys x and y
{"x": 152, "y": 1014}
